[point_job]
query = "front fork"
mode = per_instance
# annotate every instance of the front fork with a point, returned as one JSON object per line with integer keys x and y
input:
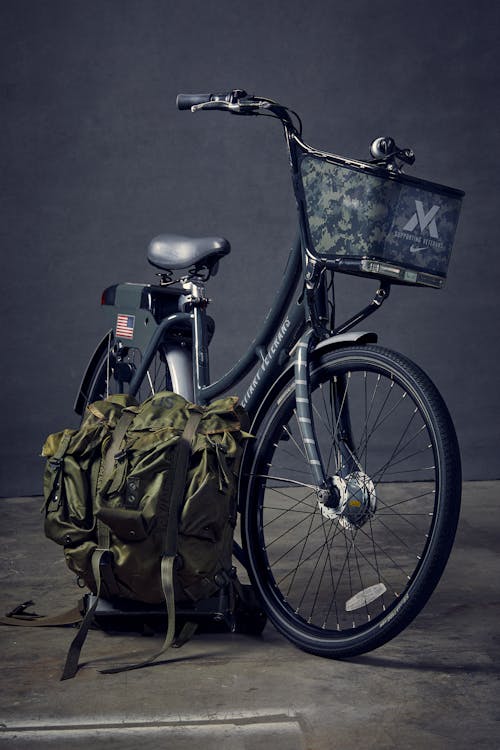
{"x": 305, "y": 417}
{"x": 326, "y": 491}
{"x": 316, "y": 305}
{"x": 347, "y": 463}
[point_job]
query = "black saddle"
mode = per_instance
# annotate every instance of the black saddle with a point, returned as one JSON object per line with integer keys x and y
{"x": 171, "y": 252}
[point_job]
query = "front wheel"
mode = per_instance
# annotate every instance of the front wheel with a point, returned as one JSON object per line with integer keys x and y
{"x": 341, "y": 580}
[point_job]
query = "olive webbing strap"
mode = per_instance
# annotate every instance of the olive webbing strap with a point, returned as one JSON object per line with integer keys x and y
{"x": 169, "y": 551}
{"x": 56, "y": 463}
{"x": 18, "y": 616}
{"x": 71, "y": 665}
{"x": 119, "y": 431}
{"x": 69, "y": 617}
{"x": 101, "y": 557}
{"x": 63, "y": 447}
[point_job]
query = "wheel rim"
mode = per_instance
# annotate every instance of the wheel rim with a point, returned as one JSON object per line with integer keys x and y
{"x": 337, "y": 574}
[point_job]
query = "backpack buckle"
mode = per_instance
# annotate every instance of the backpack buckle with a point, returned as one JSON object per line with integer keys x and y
{"x": 20, "y": 611}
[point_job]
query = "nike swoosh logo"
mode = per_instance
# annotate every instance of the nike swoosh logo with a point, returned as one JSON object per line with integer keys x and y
{"x": 415, "y": 249}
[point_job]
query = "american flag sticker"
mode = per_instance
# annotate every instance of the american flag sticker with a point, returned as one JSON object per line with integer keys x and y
{"x": 125, "y": 326}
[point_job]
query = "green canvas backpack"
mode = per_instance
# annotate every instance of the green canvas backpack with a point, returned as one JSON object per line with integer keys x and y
{"x": 142, "y": 497}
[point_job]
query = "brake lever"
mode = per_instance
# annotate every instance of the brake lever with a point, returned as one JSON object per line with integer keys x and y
{"x": 235, "y": 108}
{"x": 406, "y": 155}
{"x": 214, "y": 105}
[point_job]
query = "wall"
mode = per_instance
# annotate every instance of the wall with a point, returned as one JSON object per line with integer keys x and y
{"x": 96, "y": 160}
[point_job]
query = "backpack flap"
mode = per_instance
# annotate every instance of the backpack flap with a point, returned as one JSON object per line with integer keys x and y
{"x": 127, "y": 525}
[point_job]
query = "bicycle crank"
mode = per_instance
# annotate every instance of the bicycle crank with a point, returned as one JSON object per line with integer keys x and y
{"x": 356, "y": 500}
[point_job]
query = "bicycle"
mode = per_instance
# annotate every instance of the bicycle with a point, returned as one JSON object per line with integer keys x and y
{"x": 349, "y": 493}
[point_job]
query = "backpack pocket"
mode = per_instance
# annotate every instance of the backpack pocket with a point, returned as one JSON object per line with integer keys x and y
{"x": 205, "y": 538}
{"x": 67, "y": 490}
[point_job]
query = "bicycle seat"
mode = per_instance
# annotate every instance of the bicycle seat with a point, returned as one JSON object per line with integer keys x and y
{"x": 171, "y": 252}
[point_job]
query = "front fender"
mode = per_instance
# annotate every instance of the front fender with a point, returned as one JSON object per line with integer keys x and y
{"x": 334, "y": 342}
{"x": 346, "y": 339}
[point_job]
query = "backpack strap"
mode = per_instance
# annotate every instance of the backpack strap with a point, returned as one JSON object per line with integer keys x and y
{"x": 63, "y": 447}
{"x": 169, "y": 551}
{"x": 126, "y": 419}
{"x": 170, "y": 540}
{"x": 101, "y": 557}
{"x": 56, "y": 464}
{"x": 19, "y": 616}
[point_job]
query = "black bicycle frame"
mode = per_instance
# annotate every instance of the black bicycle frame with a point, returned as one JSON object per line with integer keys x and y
{"x": 288, "y": 326}
{"x": 283, "y": 326}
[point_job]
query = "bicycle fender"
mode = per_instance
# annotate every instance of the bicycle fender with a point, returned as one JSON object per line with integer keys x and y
{"x": 91, "y": 367}
{"x": 351, "y": 338}
{"x": 347, "y": 339}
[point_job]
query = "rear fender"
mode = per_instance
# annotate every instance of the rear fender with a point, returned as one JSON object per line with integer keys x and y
{"x": 96, "y": 357}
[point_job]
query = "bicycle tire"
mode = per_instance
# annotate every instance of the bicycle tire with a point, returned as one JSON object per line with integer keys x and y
{"x": 339, "y": 586}
{"x": 105, "y": 380}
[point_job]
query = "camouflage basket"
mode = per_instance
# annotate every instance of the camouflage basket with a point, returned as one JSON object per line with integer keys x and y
{"x": 367, "y": 220}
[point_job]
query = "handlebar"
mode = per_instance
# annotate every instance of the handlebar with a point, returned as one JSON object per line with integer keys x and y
{"x": 238, "y": 102}
{"x": 211, "y": 101}
{"x": 186, "y": 101}
{"x": 384, "y": 150}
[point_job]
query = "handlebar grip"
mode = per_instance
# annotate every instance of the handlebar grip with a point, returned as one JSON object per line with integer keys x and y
{"x": 186, "y": 101}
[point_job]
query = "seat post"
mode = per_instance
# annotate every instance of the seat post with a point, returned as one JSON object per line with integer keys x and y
{"x": 196, "y": 302}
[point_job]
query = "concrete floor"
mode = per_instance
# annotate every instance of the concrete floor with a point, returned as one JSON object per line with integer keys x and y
{"x": 434, "y": 686}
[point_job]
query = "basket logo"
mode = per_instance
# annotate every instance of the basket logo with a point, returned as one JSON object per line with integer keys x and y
{"x": 424, "y": 220}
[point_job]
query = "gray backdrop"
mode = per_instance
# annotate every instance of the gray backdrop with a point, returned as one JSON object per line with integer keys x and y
{"x": 96, "y": 160}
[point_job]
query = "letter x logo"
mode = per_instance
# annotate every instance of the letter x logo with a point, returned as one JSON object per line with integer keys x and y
{"x": 423, "y": 219}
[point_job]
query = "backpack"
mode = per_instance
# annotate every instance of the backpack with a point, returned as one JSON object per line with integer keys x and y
{"x": 142, "y": 498}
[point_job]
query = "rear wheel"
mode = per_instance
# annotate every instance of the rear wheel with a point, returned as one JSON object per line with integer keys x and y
{"x": 117, "y": 366}
{"x": 340, "y": 581}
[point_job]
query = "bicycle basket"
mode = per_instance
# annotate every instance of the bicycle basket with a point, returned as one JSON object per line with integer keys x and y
{"x": 370, "y": 221}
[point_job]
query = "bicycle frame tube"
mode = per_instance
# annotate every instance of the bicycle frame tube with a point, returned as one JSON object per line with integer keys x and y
{"x": 286, "y": 326}
{"x": 278, "y": 334}
{"x": 160, "y": 333}
{"x": 272, "y": 362}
